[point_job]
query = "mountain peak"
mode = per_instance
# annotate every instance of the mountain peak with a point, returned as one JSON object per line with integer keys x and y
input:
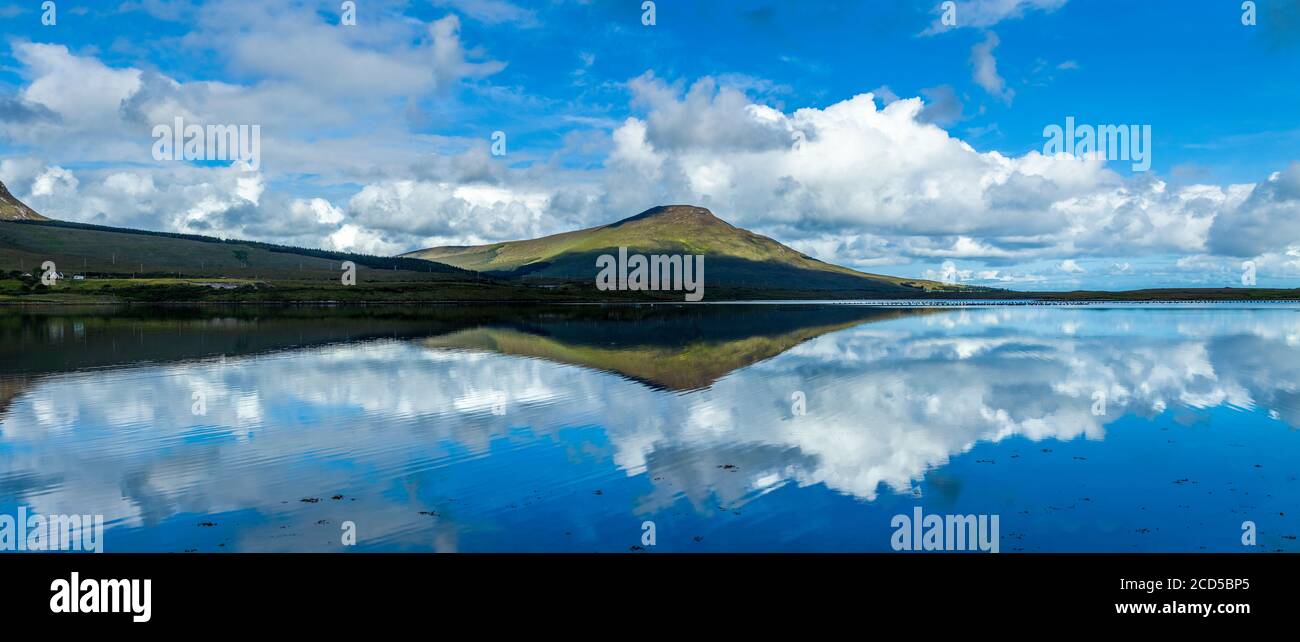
{"x": 675, "y": 214}
{"x": 678, "y": 210}
{"x": 737, "y": 257}
{"x": 12, "y": 209}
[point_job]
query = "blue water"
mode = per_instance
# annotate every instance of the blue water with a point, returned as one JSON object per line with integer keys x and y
{"x": 427, "y": 436}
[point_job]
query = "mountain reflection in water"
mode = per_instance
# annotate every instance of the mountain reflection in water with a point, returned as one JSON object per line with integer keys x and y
{"x": 564, "y": 428}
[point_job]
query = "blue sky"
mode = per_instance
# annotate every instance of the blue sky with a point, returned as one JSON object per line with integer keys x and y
{"x": 924, "y": 151}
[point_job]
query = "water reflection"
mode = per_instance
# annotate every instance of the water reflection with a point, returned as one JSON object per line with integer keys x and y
{"x": 562, "y": 429}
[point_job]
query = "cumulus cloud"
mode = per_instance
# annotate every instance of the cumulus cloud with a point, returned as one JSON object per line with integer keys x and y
{"x": 16, "y": 111}
{"x": 218, "y": 201}
{"x": 322, "y": 97}
{"x": 867, "y": 172}
{"x": 54, "y": 180}
{"x": 705, "y": 117}
{"x": 76, "y": 88}
{"x": 309, "y": 84}
{"x": 446, "y": 214}
{"x": 942, "y": 106}
{"x": 1268, "y": 220}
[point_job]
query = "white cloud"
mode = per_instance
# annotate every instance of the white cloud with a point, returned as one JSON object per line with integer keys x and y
{"x": 1267, "y": 220}
{"x": 84, "y": 91}
{"x": 130, "y": 184}
{"x": 312, "y": 84}
{"x": 985, "y": 68}
{"x": 448, "y": 214}
{"x": 289, "y": 42}
{"x": 870, "y": 172}
{"x": 322, "y": 96}
{"x": 980, "y": 14}
{"x": 706, "y": 117}
{"x": 54, "y": 180}
{"x": 999, "y": 277}
{"x": 317, "y": 210}
{"x": 493, "y": 11}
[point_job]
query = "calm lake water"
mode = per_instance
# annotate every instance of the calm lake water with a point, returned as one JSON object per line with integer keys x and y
{"x": 731, "y": 428}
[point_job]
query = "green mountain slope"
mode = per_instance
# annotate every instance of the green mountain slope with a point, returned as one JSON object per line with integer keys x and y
{"x": 27, "y": 239}
{"x": 76, "y": 247}
{"x": 733, "y": 257}
{"x": 12, "y": 209}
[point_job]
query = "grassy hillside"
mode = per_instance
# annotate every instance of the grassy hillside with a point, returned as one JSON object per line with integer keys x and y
{"x": 77, "y": 248}
{"x": 132, "y": 265}
{"x": 733, "y": 256}
{"x": 12, "y": 209}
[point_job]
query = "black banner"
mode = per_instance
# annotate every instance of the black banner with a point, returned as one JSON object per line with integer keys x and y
{"x": 329, "y": 590}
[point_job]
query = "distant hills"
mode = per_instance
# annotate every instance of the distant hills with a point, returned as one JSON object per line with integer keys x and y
{"x": 99, "y": 248}
{"x": 82, "y": 247}
{"x": 734, "y": 257}
{"x": 109, "y": 264}
{"x": 739, "y": 264}
{"x": 12, "y": 209}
